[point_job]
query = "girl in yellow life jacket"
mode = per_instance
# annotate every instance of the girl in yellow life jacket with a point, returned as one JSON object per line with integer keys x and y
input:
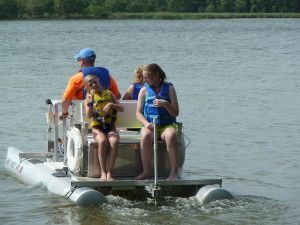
{"x": 102, "y": 106}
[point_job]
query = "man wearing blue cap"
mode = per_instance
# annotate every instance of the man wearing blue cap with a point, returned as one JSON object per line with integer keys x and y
{"x": 75, "y": 89}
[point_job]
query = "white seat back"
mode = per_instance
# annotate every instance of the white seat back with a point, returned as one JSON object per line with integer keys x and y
{"x": 126, "y": 119}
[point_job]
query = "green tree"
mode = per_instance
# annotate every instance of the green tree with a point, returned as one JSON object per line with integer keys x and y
{"x": 295, "y": 6}
{"x": 136, "y": 6}
{"x": 159, "y": 5}
{"x": 266, "y": 6}
{"x": 39, "y": 7}
{"x": 21, "y": 4}
{"x": 98, "y": 9}
{"x": 241, "y": 6}
{"x": 202, "y": 6}
{"x": 212, "y": 6}
{"x": 8, "y": 8}
{"x": 70, "y": 7}
{"x": 227, "y": 5}
{"x": 102, "y": 8}
{"x": 254, "y": 6}
{"x": 183, "y": 5}
{"x": 116, "y": 5}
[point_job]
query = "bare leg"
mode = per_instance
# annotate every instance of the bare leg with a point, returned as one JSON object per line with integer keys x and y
{"x": 113, "y": 138}
{"x": 102, "y": 151}
{"x": 146, "y": 153}
{"x": 170, "y": 137}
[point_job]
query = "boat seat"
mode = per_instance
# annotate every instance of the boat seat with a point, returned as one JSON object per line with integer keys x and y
{"x": 128, "y": 162}
{"x": 126, "y": 119}
{"x": 127, "y": 124}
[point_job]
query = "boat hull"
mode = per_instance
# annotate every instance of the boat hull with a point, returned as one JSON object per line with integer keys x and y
{"x": 35, "y": 172}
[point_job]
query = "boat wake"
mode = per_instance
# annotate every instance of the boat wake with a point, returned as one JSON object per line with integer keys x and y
{"x": 176, "y": 210}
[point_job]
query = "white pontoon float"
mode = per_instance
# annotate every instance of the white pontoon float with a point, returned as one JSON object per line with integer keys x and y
{"x": 72, "y": 169}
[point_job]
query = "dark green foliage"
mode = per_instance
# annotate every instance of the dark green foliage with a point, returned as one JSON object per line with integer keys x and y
{"x": 104, "y": 8}
{"x": 8, "y": 8}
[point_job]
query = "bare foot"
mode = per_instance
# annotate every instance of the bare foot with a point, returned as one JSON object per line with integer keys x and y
{"x": 173, "y": 177}
{"x": 109, "y": 177}
{"x": 103, "y": 177}
{"x": 142, "y": 176}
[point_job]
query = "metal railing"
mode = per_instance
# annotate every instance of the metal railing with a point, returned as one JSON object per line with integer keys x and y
{"x": 53, "y": 118}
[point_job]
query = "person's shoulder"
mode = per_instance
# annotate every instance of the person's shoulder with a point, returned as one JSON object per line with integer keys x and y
{"x": 131, "y": 86}
{"x": 143, "y": 89}
{"x": 168, "y": 83}
{"x": 171, "y": 85}
{"x": 112, "y": 80}
{"x": 111, "y": 77}
{"x": 106, "y": 92}
{"x": 137, "y": 84}
{"x": 171, "y": 88}
{"x": 77, "y": 77}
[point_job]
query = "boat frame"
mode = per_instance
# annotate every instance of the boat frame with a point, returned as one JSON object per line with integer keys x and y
{"x": 127, "y": 166}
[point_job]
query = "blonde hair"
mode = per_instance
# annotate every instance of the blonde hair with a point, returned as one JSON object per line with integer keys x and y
{"x": 138, "y": 75}
{"x": 87, "y": 79}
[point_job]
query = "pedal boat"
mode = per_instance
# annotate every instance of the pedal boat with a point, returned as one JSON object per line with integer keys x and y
{"x": 69, "y": 167}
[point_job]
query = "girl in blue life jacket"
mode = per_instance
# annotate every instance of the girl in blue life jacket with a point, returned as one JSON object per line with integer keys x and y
{"x": 157, "y": 99}
{"x": 133, "y": 90}
{"x": 102, "y": 106}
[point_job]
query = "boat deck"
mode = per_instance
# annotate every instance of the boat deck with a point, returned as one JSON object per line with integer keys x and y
{"x": 94, "y": 182}
{"x": 144, "y": 188}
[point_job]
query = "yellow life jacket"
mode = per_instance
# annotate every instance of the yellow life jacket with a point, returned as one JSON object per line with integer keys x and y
{"x": 100, "y": 101}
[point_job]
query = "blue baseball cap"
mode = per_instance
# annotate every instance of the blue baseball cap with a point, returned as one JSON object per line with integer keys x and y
{"x": 86, "y": 53}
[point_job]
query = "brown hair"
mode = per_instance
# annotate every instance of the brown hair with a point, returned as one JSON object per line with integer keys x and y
{"x": 155, "y": 69}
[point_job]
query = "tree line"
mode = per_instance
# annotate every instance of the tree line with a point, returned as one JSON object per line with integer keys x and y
{"x": 103, "y": 8}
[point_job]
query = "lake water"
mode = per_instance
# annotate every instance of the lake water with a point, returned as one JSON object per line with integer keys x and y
{"x": 238, "y": 86}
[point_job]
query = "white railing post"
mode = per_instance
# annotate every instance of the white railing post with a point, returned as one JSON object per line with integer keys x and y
{"x": 55, "y": 153}
{"x": 155, "y": 151}
{"x": 65, "y": 140}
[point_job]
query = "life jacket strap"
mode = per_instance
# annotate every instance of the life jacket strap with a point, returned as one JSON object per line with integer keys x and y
{"x": 101, "y": 101}
{"x": 102, "y": 119}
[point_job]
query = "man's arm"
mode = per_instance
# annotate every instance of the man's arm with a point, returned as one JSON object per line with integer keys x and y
{"x": 114, "y": 88}
{"x": 65, "y": 104}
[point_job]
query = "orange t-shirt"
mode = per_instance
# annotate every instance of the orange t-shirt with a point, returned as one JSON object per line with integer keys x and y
{"x": 75, "y": 87}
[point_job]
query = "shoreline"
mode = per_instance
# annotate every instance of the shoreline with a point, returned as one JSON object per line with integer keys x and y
{"x": 163, "y": 16}
{"x": 198, "y": 16}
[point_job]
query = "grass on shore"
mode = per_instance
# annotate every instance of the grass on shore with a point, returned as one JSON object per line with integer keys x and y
{"x": 196, "y": 16}
{"x": 164, "y": 16}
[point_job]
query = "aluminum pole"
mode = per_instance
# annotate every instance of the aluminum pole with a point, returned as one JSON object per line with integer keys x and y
{"x": 155, "y": 151}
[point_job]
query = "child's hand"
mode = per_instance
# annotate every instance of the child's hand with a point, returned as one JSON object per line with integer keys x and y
{"x": 92, "y": 92}
{"x": 91, "y": 95}
{"x": 159, "y": 102}
{"x": 150, "y": 126}
{"x": 107, "y": 107}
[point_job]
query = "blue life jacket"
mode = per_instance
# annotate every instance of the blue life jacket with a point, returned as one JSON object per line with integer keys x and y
{"x": 101, "y": 73}
{"x": 150, "y": 111}
{"x": 136, "y": 90}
